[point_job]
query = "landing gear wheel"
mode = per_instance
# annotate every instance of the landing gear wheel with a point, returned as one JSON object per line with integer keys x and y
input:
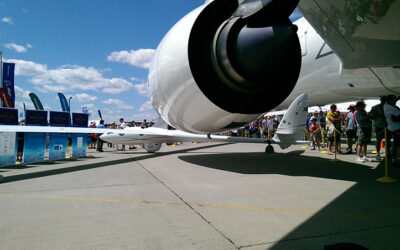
{"x": 269, "y": 149}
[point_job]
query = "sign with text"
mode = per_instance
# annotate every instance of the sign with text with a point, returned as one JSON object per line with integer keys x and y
{"x": 59, "y": 119}
{"x": 57, "y": 146}
{"x": 80, "y": 120}
{"x": 36, "y": 118}
{"x": 79, "y": 144}
{"x": 8, "y": 148}
{"x": 8, "y": 116}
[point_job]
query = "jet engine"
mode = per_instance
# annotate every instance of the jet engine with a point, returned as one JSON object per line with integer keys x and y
{"x": 152, "y": 147}
{"x": 225, "y": 63}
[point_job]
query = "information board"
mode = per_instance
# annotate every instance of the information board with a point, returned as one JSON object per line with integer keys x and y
{"x": 36, "y": 118}
{"x": 59, "y": 119}
{"x": 57, "y": 146}
{"x": 34, "y": 147}
{"x": 80, "y": 120}
{"x": 8, "y": 148}
{"x": 8, "y": 116}
{"x": 79, "y": 144}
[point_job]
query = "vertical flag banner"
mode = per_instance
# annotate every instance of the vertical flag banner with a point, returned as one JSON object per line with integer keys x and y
{"x": 64, "y": 103}
{"x": 8, "y": 148}
{"x": 8, "y": 81}
{"x": 36, "y": 102}
{"x": 79, "y": 144}
{"x": 34, "y": 147}
{"x": 101, "y": 117}
{"x": 5, "y": 98}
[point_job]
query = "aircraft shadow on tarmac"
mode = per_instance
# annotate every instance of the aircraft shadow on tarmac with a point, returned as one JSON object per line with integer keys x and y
{"x": 80, "y": 166}
{"x": 291, "y": 164}
{"x": 368, "y": 213}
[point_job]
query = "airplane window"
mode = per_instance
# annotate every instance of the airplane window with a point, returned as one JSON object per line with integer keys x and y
{"x": 141, "y": 134}
{"x": 110, "y": 133}
{"x": 121, "y": 134}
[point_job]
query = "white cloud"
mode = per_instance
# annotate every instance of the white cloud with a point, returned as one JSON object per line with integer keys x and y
{"x": 21, "y": 93}
{"x": 85, "y": 97}
{"x": 29, "y": 46}
{"x": 134, "y": 79}
{"x": 139, "y": 58}
{"x": 144, "y": 89}
{"x": 24, "y": 10}
{"x": 69, "y": 77}
{"x": 146, "y": 106}
{"x": 7, "y": 20}
{"x": 117, "y": 102}
{"x": 16, "y": 47}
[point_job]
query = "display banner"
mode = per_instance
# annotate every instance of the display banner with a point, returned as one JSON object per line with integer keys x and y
{"x": 80, "y": 120}
{"x": 57, "y": 146}
{"x": 8, "y": 148}
{"x": 64, "y": 103}
{"x": 79, "y": 144}
{"x": 59, "y": 119}
{"x": 36, "y": 118}
{"x": 5, "y": 99}
{"x": 8, "y": 81}
{"x": 36, "y": 102}
{"x": 34, "y": 147}
{"x": 8, "y": 116}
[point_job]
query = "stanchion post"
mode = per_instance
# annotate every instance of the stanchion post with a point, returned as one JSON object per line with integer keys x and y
{"x": 334, "y": 144}
{"x": 386, "y": 178}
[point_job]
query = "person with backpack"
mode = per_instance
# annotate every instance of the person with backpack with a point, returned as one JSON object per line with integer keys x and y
{"x": 378, "y": 116}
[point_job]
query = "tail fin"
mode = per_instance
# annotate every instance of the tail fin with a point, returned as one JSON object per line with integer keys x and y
{"x": 291, "y": 127}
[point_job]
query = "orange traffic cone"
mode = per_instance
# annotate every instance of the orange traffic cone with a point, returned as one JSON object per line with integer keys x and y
{"x": 382, "y": 144}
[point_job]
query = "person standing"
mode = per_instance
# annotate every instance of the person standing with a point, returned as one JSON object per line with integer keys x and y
{"x": 364, "y": 131}
{"x": 350, "y": 127}
{"x": 322, "y": 124}
{"x": 265, "y": 126}
{"x": 122, "y": 125}
{"x": 270, "y": 126}
{"x": 315, "y": 133}
{"x": 392, "y": 114}
{"x": 335, "y": 119}
{"x": 100, "y": 141}
{"x": 377, "y": 114}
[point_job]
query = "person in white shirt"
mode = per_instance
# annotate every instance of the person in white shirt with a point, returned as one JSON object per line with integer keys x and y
{"x": 392, "y": 114}
{"x": 122, "y": 125}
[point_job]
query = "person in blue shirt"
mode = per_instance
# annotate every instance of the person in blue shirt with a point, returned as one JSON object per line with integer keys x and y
{"x": 100, "y": 141}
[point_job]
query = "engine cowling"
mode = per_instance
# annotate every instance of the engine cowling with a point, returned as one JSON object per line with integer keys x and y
{"x": 223, "y": 64}
{"x": 152, "y": 147}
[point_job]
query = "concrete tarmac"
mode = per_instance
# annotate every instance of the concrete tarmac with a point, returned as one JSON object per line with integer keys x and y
{"x": 200, "y": 196}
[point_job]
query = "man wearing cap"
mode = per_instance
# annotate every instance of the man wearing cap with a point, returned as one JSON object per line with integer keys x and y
{"x": 392, "y": 114}
{"x": 378, "y": 116}
{"x": 364, "y": 131}
{"x": 351, "y": 128}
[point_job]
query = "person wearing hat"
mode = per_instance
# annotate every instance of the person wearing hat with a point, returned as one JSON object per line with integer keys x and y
{"x": 350, "y": 127}
{"x": 392, "y": 114}
{"x": 378, "y": 116}
{"x": 364, "y": 131}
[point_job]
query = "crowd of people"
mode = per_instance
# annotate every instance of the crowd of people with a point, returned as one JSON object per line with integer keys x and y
{"x": 94, "y": 141}
{"x": 357, "y": 126}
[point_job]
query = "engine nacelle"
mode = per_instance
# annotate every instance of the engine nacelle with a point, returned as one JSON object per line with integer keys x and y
{"x": 223, "y": 64}
{"x": 152, "y": 147}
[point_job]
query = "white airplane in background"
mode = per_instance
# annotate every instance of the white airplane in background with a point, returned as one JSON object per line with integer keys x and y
{"x": 289, "y": 131}
{"x": 228, "y": 61}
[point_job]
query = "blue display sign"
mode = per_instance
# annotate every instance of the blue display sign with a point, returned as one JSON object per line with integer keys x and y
{"x": 59, "y": 119}
{"x": 36, "y": 118}
{"x": 80, "y": 120}
{"x": 34, "y": 147}
{"x": 8, "y": 116}
{"x": 57, "y": 146}
{"x": 8, "y": 148}
{"x": 79, "y": 144}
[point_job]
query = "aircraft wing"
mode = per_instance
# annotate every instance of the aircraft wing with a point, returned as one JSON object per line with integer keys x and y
{"x": 46, "y": 129}
{"x": 361, "y": 33}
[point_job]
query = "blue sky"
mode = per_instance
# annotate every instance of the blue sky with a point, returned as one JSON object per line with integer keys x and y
{"x": 96, "y": 51}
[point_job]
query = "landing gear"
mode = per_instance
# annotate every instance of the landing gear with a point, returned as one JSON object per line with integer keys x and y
{"x": 269, "y": 149}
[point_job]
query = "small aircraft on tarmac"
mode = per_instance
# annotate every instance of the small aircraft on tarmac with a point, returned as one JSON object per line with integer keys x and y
{"x": 289, "y": 131}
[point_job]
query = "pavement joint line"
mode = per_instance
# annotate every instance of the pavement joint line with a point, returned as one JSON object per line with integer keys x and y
{"x": 191, "y": 207}
{"x": 206, "y": 205}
